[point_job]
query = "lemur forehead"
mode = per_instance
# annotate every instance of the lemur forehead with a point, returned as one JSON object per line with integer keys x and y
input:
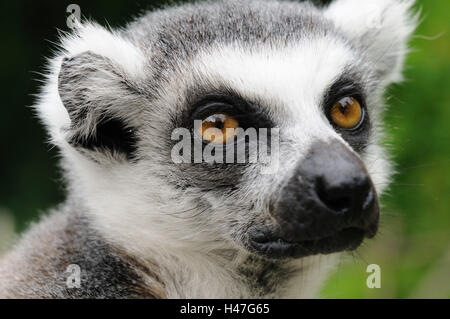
{"x": 177, "y": 34}
{"x": 294, "y": 75}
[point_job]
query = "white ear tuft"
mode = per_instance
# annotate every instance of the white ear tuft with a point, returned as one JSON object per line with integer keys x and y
{"x": 96, "y": 39}
{"x": 380, "y": 28}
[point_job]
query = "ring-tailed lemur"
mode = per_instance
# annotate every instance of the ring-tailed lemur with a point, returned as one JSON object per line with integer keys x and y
{"x": 139, "y": 225}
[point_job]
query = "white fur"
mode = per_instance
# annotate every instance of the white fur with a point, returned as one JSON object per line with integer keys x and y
{"x": 388, "y": 22}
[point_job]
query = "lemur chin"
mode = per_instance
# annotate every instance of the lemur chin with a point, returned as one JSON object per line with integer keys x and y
{"x": 139, "y": 224}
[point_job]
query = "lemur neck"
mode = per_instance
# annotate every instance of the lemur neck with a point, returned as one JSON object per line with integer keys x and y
{"x": 196, "y": 275}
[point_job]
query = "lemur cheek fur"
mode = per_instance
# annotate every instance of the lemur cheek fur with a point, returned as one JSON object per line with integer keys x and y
{"x": 140, "y": 224}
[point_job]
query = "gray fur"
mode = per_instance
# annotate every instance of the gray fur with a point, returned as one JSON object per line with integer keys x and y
{"x": 40, "y": 263}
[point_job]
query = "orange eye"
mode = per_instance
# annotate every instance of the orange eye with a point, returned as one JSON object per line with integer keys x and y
{"x": 218, "y": 128}
{"x": 347, "y": 113}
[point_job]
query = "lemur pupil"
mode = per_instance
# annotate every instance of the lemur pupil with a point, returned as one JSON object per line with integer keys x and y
{"x": 219, "y": 124}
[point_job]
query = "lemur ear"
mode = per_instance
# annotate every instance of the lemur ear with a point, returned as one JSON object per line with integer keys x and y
{"x": 379, "y": 28}
{"x": 99, "y": 103}
{"x": 98, "y": 88}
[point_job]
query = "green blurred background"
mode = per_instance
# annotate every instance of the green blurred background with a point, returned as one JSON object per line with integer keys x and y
{"x": 413, "y": 247}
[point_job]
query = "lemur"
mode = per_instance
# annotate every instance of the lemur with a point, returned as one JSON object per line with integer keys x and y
{"x": 140, "y": 225}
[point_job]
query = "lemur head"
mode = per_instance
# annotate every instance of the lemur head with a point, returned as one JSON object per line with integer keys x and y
{"x": 315, "y": 74}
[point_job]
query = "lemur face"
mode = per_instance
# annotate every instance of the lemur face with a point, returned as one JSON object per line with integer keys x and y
{"x": 314, "y": 76}
{"x": 320, "y": 198}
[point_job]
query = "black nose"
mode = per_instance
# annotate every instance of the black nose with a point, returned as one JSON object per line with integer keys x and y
{"x": 329, "y": 204}
{"x": 344, "y": 188}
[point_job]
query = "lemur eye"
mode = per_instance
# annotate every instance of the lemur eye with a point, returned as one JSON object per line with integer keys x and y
{"x": 347, "y": 113}
{"x": 218, "y": 128}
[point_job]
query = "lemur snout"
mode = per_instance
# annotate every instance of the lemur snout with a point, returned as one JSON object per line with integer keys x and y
{"x": 328, "y": 205}
{"x": 342, "y": 191}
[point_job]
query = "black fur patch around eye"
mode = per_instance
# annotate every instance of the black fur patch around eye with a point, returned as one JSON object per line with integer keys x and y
{"x": 345, "y": 86}
{"x": 321, "y": 3}
{"x": 248, "y": 113}
{"x": 111, "y": 134}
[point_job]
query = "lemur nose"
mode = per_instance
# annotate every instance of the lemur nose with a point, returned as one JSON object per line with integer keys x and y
{"x": 330, "y": 193}
{"x": 347, "y": 192}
